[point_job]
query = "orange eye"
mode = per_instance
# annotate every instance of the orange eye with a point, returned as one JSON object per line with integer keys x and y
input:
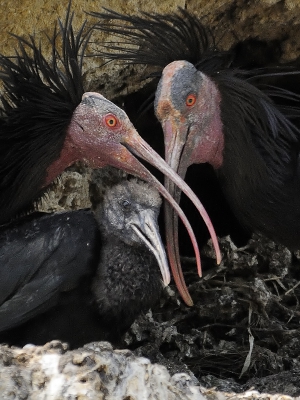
{"x": 190, "y": 100}
{"x": 111, "y": 121}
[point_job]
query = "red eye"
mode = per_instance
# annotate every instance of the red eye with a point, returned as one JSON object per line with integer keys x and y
{"x": 190, "y": 100}
{"x": 111, "y": 121}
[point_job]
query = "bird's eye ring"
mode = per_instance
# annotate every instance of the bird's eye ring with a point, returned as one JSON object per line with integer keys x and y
{"x": 111, "y": 121}
{"x": 190, "y": 100}
{"x": 125, "y": 203}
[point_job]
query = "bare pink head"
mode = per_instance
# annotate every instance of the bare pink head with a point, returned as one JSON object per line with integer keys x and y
{"x": 101, "y": 134}
{"x": 187, "y": 104}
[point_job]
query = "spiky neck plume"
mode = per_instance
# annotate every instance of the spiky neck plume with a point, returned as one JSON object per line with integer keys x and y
{"x": 37, "y": 105}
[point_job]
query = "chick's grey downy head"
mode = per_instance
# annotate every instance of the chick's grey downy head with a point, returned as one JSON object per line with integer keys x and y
{"x": 125, "y": 205}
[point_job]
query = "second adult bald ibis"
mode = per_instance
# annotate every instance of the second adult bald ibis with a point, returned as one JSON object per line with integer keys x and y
{"x": 212, "y": 112}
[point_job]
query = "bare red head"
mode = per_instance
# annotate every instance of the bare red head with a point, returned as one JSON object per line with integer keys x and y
{"x": 187, "y": 103}
{"x": 100, "y": 134}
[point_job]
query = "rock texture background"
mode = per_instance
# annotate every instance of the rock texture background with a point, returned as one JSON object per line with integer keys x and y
{"x": 277, "y": 23}
{"x": 231, "y": 22}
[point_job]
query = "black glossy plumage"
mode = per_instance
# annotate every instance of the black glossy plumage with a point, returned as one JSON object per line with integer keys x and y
{"x": 264, "y": 145}
{"x": 72, "y": 277}
{"x": 34, "y": 90}
{"x": 260, "y": 173}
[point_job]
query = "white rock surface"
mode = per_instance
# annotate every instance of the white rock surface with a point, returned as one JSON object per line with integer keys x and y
{"x": 93, "y": 372}
{"x": 97, "y": 372}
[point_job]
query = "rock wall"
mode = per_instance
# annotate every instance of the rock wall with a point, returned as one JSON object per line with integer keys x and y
{"x": 230, "y": 20}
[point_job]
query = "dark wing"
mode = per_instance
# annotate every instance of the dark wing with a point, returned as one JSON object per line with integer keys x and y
{"x": 42, "y": 257}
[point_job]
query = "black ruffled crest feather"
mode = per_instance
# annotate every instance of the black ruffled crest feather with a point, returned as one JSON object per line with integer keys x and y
{"x": 158, "y": 39}
{"x": 38, "y": 101}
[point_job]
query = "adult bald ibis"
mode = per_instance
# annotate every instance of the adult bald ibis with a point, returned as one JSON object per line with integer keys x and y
{"x": 82, "y": 276}
{"x": 214, "y": 113}
{"x": 49, "y": 123}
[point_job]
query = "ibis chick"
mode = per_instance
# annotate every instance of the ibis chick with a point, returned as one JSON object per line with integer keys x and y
{"x": 79, "y": 277}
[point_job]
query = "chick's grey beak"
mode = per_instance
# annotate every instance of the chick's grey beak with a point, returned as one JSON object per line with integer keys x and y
{"x": 146, "y": 227}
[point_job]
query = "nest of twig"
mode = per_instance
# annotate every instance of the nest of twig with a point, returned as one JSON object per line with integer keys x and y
{"x": 244, "y": 322}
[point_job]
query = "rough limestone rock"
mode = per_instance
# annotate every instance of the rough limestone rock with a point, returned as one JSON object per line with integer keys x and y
{"x": 96, "y": 372}
{"x": 93, "y": 372}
